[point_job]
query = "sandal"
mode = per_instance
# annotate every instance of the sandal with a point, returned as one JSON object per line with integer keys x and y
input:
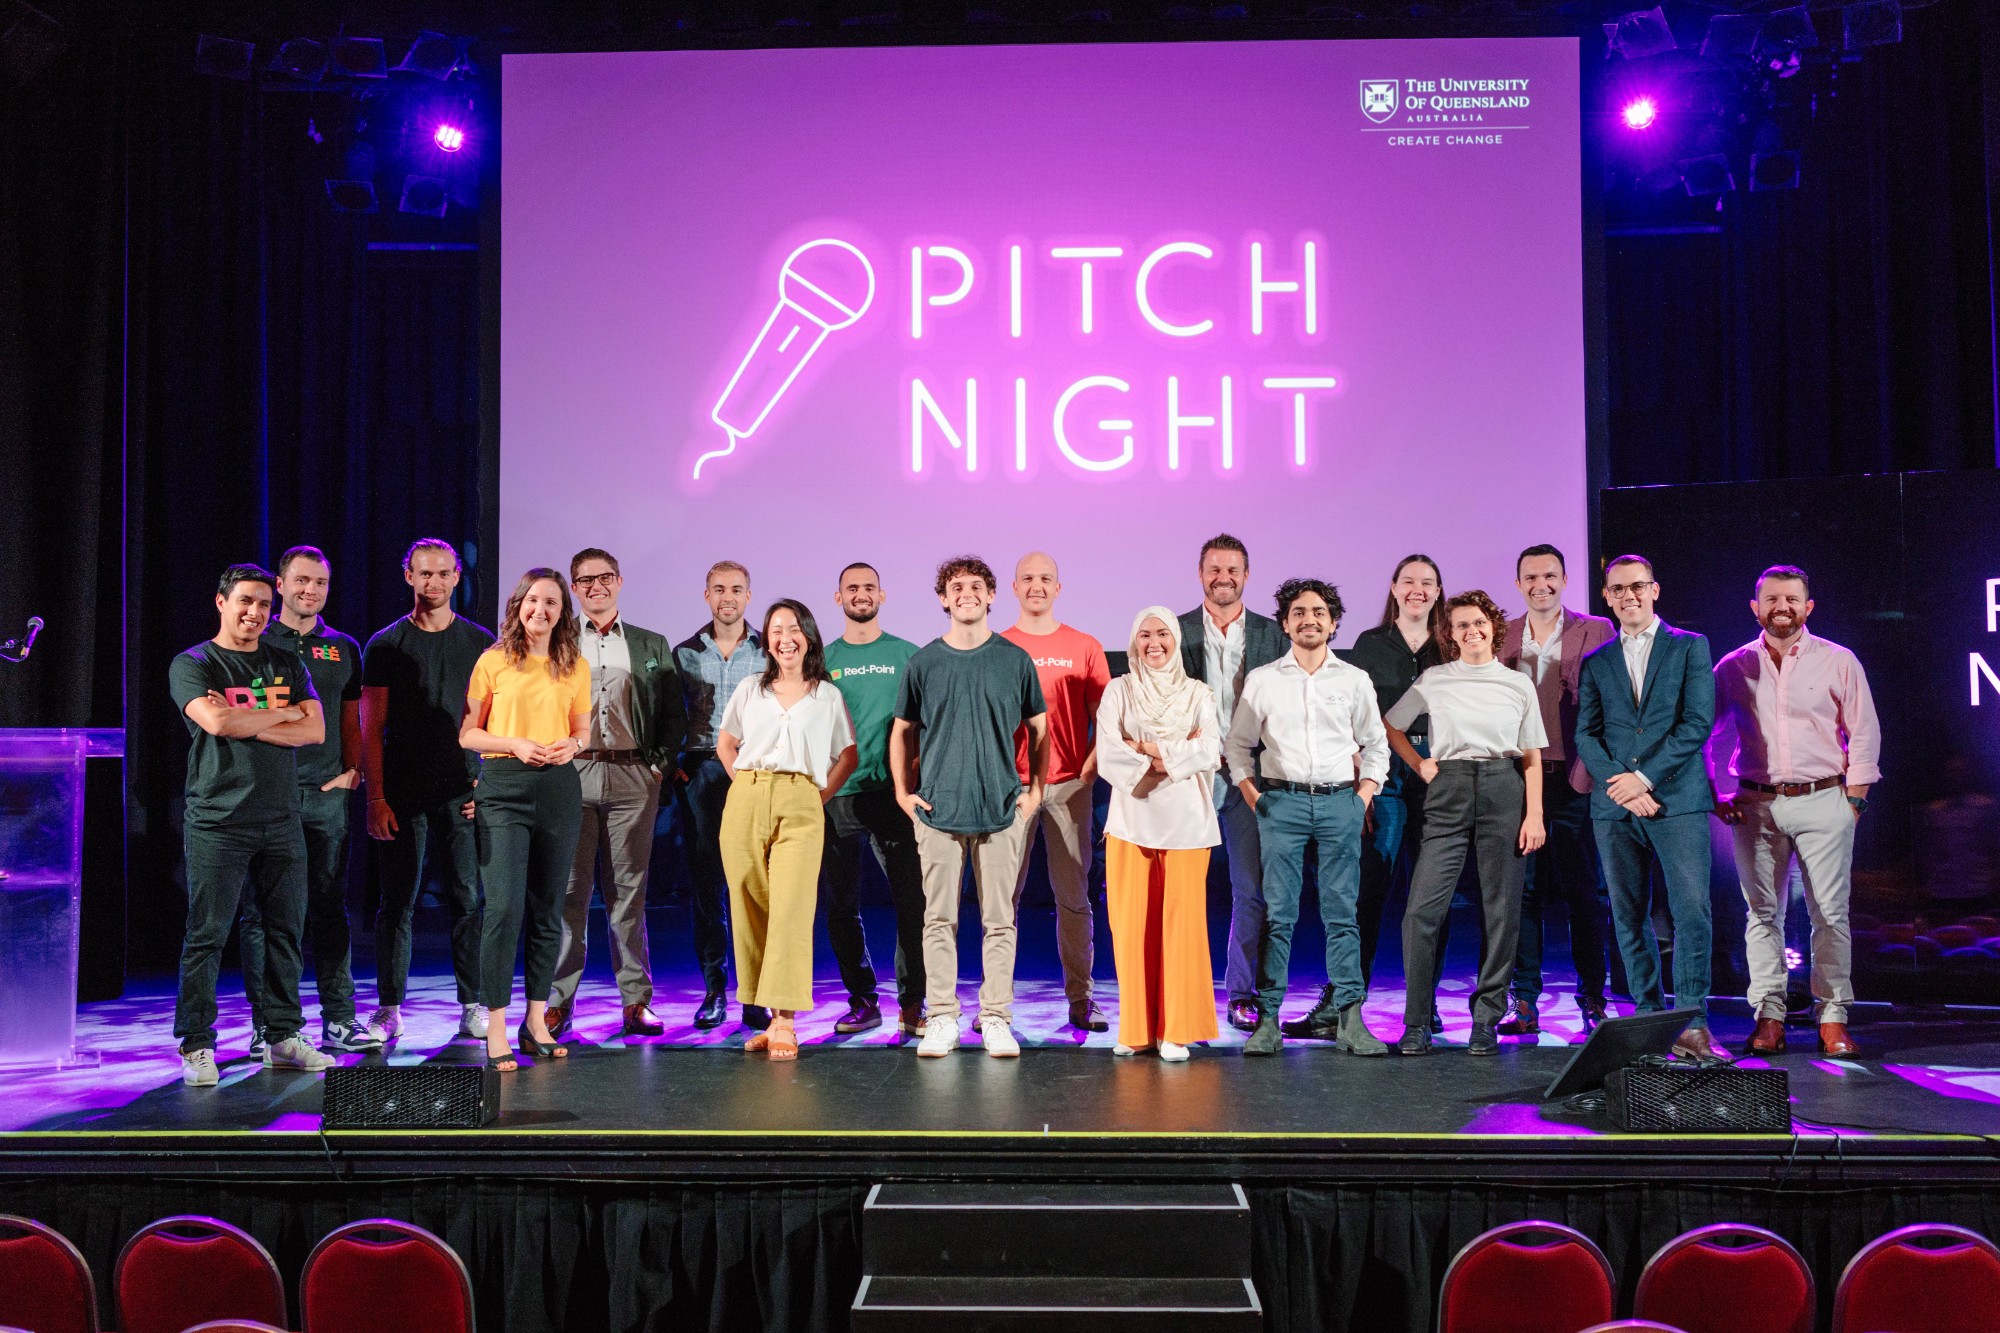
{"x": 541, "y": 1050}
{"x": 784, "y": 1043}
{"x": 503, "y": 1064}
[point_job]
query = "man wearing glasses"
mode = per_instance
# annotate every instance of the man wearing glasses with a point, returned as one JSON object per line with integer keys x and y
{"x": 1645, "y": 706}
{"x": 637, "y": 723}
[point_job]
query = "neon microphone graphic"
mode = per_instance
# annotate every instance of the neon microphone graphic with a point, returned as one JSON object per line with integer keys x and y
{"x": 823, "y": 285}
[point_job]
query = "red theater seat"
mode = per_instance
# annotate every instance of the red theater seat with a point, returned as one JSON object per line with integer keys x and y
{"x": 365, "y": 1268}
{"x": 44, "y": 1283}
{"x": 1920, "y": 1279}
{"x": 1625, "y": 1326}
{"x": 1526, "y": 1277}
{"x": 182, "y": 1271}
{"x": 234, "y": 1326}
{"x": 1679, "y": 1284}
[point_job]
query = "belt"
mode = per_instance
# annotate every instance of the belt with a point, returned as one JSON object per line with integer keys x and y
{"x": 1555, "y": 765}
{"x": 609, "y": 756}
{"x": 1303, "y": 788}
{"x": 1790, "y": 788}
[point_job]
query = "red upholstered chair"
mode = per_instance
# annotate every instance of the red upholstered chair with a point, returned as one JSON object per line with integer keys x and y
{"x": 44, "y": 1282}
{"x": 1678, "y": 1286}
{"x": 182, "y": 1271}
{"x": 235, "y": 1326}
{"x": 1920, "y": 1279}
{"x": 365, "y": 1268}
{"x": 1615, "y": 1326}
{"x": 1526, "y": 1277}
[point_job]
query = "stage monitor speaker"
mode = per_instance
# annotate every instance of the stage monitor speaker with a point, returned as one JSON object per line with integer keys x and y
{"x": 427, "y": 1096}
{"x": 1669, "y": 1099}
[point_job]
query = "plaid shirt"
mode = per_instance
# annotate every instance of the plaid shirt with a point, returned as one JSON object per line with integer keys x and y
{"x": 708, "y": 679}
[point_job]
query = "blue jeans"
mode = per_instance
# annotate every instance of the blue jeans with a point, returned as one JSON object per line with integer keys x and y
{"x": 1286, "y": 822}
{"x": 702, "y": 797}
{"x": 1681, "y": 843}
{"x": 1246, "y": 896}
{"x": 1566, "y": 868}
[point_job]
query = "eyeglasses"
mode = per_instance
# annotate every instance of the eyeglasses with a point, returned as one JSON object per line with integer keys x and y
{"x": 1620, "y": 589}
{"x": 594, "y": 580}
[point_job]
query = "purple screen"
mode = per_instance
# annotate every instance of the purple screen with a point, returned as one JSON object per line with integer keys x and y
{"x": 800, "y": 308}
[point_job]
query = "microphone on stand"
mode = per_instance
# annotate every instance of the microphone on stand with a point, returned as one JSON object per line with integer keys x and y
{"x": 17, "y": 650}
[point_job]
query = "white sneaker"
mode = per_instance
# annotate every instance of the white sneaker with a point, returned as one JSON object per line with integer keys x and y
{"x": 198, "y": 1068}
{"x": 1173, "y": 1052}
{"x": 387, "y": 1020}
{"x": 295, "y": 1052}
{"x": 999, "y": 1039}
{"x": 1121, "y": 1049}
{"x": 350, "y": 1037}
{"x": 940, "y": 1036}
{"x": 472, "y": 1022}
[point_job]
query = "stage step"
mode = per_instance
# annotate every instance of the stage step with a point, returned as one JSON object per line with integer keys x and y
{"x": 969, "y": 1255}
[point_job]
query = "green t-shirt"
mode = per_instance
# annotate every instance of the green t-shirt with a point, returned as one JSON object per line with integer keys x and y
{"x": 968, "y": 704}
{"x": 239, "y": 781}
{"x": 869, "y": 677}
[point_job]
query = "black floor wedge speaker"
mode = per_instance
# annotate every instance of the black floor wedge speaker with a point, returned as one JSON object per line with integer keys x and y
{"x": 1656, "y": 1099}
{"x": 430, "y": 1096}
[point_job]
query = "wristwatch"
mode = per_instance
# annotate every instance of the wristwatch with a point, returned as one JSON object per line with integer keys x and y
{"x": 1859, "y": 803}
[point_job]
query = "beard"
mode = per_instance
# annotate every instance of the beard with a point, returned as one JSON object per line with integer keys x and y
{"x": 862, "y": 617}
{"x": 1783, "y": 622}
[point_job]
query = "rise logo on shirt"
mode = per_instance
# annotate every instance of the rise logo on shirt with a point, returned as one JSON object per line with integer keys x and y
{"x": 259, "y": 695}
{"x": 329, "y": 652}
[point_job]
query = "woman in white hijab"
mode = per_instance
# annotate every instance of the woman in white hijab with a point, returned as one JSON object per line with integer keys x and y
{"x": 1159, "y": 744}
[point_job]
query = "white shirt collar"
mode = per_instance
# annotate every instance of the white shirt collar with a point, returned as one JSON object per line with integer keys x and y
{"x": 1647, "y": 633}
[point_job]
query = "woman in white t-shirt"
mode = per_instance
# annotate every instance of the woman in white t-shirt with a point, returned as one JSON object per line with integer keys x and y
{"x": 1484, "y": 795}
{"x": 787, "y": 744}
{"x": 1159, "y": 744}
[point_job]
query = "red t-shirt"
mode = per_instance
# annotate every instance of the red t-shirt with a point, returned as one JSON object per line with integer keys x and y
{"x": 1073, "y": 673}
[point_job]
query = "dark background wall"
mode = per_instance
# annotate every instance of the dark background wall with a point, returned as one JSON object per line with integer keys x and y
{"x": 200, "y": 362}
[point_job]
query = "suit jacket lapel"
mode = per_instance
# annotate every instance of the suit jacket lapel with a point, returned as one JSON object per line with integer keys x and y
{"x": 1661, "y": 641}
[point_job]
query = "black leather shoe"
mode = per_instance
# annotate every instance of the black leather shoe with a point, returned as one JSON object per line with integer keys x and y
{"x": 1321, "y": 1024}
{"x": 1522, "y": 1020}
{"x": 756, "y": 1017}
{"x": 713, "y": 1009}
{"x": 1484, "y": 1040}
{"x": 1416, "y": 1041}
{"x": 1243, "y": 1015}
{"x": 1088, "y": 1017}
{"x": 862, "y": 1015}
{"x": 1437, "y": 1022}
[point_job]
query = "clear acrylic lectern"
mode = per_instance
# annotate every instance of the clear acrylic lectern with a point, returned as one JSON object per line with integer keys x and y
{"x": 41, "y": 878}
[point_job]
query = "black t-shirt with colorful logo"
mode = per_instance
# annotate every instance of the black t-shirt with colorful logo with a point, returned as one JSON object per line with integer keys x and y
{"x": 333, "y": 660}
{"x": 239, "y": 781}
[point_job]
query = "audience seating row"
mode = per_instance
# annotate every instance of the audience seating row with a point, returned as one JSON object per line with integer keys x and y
{"x": 202, "y": 1275}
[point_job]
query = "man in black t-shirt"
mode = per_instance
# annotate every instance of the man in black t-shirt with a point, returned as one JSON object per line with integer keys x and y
{"x": 328, "y": 775}
{"x": 414, "y": 676}
{"x": 249, "y": 705}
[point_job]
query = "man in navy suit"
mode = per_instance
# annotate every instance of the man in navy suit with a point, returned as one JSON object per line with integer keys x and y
{"x": 1645, "y": 707}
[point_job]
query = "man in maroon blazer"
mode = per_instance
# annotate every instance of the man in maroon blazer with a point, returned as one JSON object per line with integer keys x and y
{"x": 1548, "y": 645}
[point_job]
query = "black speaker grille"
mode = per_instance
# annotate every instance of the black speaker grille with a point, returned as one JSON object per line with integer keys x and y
{"x": 1656, "y": 1100}
{"x": 410, "y": 1097}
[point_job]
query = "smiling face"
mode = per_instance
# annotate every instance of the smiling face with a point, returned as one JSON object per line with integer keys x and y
{"x": 1473, "y": 633}
{"x": 1154, "y": 643}
{"x": 1629, "y": 590}
{"x": 1036, "y": 584}
{"x": 597, "y": 585}
{"x": 966, "y": 598}
{"x": 1781, "y": 606}
{"x": 541, "y": 608}
{"x": 785, "y": 641}
{"x": 305, "y": 585}
{"x": 1416, "y": 590}
{"x": 1223, "y": 574}
{"x": 1310, "y": 621}
{"x": 860, "y": 593}
{"x": 727, "y": 594}
{"x": 433, "y": 576}
{"x": 245, "y": 610}
{"x": 1541, "y": 581}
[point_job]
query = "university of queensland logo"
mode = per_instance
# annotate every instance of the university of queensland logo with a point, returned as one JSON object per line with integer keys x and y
{"x": 1378, "y": 99}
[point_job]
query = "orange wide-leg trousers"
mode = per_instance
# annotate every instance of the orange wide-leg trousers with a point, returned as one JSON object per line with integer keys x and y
{"x": 1158, "y": 905}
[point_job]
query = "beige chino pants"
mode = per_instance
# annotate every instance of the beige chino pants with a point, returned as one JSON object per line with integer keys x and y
{"x": 996, "y": 868}
{"x": 1065, "y": 821}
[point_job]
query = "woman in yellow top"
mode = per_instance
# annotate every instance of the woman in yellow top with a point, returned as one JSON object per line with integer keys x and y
{"x": 527, "y": 713}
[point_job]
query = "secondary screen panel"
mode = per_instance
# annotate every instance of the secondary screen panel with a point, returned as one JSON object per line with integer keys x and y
{"x": 801, "y": 308}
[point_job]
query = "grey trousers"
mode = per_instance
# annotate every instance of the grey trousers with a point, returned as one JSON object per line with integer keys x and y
{"x": 614, "y": 852}
{"x": 1818, "y": 828}
{"x": 1475, "y": 805}
{"x": 1065, "y": 820}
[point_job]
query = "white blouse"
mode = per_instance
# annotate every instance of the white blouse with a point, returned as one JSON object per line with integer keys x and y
{"x": 807, "y": 738}
{"x": 1489, "y": 711}
{"x": 1171, "y": 811}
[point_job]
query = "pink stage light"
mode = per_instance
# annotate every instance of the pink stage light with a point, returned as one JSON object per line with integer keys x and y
{"x": 449, "y": 137}
{"x": 1640, "y": 113}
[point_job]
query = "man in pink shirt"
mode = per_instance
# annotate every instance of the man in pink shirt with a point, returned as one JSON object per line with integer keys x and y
{"x": 1073, "y": 674}
{"x": 1807, "y": 749}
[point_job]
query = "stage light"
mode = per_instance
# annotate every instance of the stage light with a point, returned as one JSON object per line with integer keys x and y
{"x": 1641, "y": 33}
{"x": 1709, "y": 175}
{"x": 351, "y": 196}
{"x": 1871, "y": 23}
{"x": 360, "y": 57}
{"x": 302, "y": 58}
{"x": 433, "y": 54}
{"x": 424, "y": 195}
{"x": 1639, "y": 113}
{"x": 448, "y": 137}
{"x": 1774, "y": 171}
{"x": 223, "y": 57}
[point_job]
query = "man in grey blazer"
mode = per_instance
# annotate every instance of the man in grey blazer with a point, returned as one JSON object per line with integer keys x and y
{"x": 1645, "y": 707}
{"x": 637, "y": 722}
{"x": 1222, "y": 640}
{"x": 1548, "y": 646}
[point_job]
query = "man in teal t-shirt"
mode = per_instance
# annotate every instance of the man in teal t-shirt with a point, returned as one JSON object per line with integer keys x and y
{"x": 867, "y": 666}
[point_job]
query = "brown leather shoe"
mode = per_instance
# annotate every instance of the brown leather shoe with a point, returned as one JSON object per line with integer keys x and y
{"x": 1768, "y": 1039}
{"x": 1833, "y": 1040}
{"x": 558, "y": 1020}
{"x": 1696, "y": 1044}
{"x": 641, "y": 1021}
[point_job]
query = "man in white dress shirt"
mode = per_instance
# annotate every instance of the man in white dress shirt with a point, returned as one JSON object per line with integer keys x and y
{"x": 1312, "y": 713}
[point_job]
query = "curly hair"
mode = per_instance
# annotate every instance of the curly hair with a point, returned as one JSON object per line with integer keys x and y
{"x": 965, "y": 564}
{"x": 565, "y": 644}
{"x": 1480, "y": 602}
{"x": 1290, "y": 589}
